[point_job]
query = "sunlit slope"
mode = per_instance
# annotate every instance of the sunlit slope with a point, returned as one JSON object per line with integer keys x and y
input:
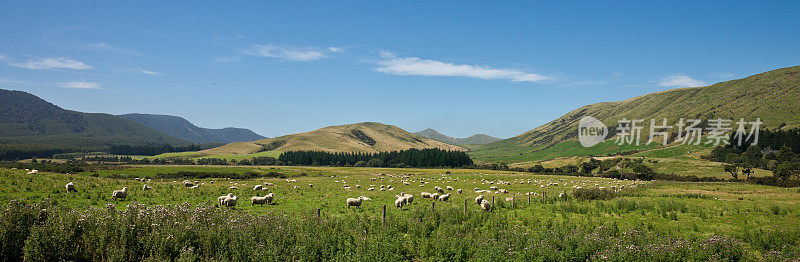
{"x": 773, "y": 96}
{"x": 360, "y": 137}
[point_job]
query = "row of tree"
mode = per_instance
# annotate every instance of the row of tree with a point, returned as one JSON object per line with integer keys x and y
{"x": 778, "y": 151}
{"x": 403, "y": 158}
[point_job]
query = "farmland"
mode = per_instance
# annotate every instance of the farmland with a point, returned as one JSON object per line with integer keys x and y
{"x": 694, "y": 221}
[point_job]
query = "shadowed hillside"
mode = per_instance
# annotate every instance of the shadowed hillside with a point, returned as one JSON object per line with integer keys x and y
{"x": 477, "y": 139}
{"x": 181, "y": 128}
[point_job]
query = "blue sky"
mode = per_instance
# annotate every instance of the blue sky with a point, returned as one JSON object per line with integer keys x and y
{"x": 460, "y": 67}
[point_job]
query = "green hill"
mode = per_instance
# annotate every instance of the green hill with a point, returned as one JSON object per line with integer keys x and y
{"x": 771, "y": 96}
{"x": 360, "y": 137}
{"x": 477, "y": 139}
{"x": 181, "y": 128}
{"x": 27, "y": 121}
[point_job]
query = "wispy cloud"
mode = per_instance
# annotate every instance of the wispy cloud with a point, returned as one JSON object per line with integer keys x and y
{"x": 80, "y": 85}
{"x": 9, "y": 81}
{"x": 115, "y": 49}
{"x": 291, "y": 53}
{"x": 53, "y": 63}
{"x": 392, "y": 64}
{"x": 680, "y": 81}
{"x": 152, "y": 73}
{"x": 2, "y": 57}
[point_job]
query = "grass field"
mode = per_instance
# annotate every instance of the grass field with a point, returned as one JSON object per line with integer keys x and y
{"x": 663, "y": 210}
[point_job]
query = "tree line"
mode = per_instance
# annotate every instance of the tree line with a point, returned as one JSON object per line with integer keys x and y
{"x": 403, "y": 158}
{"x": 776, "y": 150}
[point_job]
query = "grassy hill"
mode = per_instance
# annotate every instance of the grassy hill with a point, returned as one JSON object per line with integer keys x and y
{"x": 181, "y": 128}
{"x": 29, "y": 121}
{"x": 477, "y": 139}
{"x": 771, "y": 96}
{"x": 360, "y": 137}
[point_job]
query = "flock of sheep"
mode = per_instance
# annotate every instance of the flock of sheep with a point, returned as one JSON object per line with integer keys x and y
{"x": 402, "y": 199}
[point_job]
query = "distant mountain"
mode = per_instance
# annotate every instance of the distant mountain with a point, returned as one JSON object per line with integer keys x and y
{"x": 360, "y": 137}
{"x": 30, "y": 122}
{"x": 771, "y": 96}
{"x": 181, "y": 128}
{"x": 478, "y": 139}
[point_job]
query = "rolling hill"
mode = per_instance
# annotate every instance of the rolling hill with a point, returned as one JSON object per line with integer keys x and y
{"x": 360, "y": 137}
{"x": 29, "y": 121}
{"x": 477, "y": 139}
{"x": 771, "y": 96}
{"x": 181, "y": 128}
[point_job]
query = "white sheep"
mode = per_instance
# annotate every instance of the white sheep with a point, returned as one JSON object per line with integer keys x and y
{"x": 409, "y": 197}
{"x": 187, "y": 183}
{"x": 120, "y": 194}
{"x": 509, "y": 199}
{"x": 356, "y": 202}
{"x": 439, "y": 189}
{"x": 478, "y": 199}
{"x": 485, "y": 205}
{"x": 146, "y": 187}
{"x": 195, "y": 187}
{"x": 425, "y": 195}
{"x": 257, "y": 200}
{"x": 233, "y": 187}
{"x": 400, "y": 202}
{"x": 435, "y": 196}
{"x": 459, "y": 191}
{"x": 258, "y": 187}
{"x": 444, "y": 197}
{"x": 450, "y": 188}
{"x": 231, "y": 201}
{"x": 70, "y": 187}
{"x": 371, "y": 189}
{"x": 221, "y": 199}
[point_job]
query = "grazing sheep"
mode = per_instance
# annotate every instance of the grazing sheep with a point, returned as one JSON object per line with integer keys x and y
{"x": 509, "y": 199}
{"x": 296, "y": 187}
{"x": 485, "y": 205}
{"x": 187, "y": 183}
{"x": 231, "y": 201}
{"x": 120, "y": 194}
{"x": 221, "y": 200}
{"x": 312, "y": 186}
{"x": 459, "y": 191}
{"x": 33, "y": 172}
{"x": 356, "y": 202}
{"x": 444, "y": 197}
{"x": 195, "y": 187}
{"x": 409, "y": 197}
{"x": 258, "y": 187}
{"x": 371, "y": 189}
{"x": 450, "y": 188}
{"x": 233, "y": 187}
{"x": 257, "y": 200}
{"x": 70, "y": 187}
{"x": 478, "y": 199}
{"x": 504, "y": 191}
{"x": 400, "y": 202}
{"x": 493, "y": 188}
{"x": 425, "y": 195}
{"x": 145, "y": 187}
{"x": 435, "y": 196}
{"x": 358, "y": 186}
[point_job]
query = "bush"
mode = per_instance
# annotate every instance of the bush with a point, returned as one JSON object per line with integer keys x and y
{"x": 584, "y": 194}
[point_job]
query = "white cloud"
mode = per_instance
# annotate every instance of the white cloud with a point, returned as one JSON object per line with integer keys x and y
{"x": 423, "y": 67}
{"x": 53, "y": 63}
{"x": 152, "y": 73}
{"x": 80, "y": 85}
{"x": 616, "y": 74}
{"x": 116, "y": 49}
{"x": 9, "y": 81}
{"x": 680, "y": 81}
{"x": 2, "y": 57}
{"x": 292, "y": 53}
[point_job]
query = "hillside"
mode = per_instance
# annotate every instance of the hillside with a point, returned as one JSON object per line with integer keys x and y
{"x": 27, "y": 120}
{"x": 771, "y": 96}
{"x": 181, "y": 128}
{"x": 360, "y": 137}
{"x": 477, "y": 139}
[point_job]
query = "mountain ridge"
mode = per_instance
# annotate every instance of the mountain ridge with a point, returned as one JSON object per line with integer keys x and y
{"x": 476, "y": 139}
{"x": 183, "y": 129}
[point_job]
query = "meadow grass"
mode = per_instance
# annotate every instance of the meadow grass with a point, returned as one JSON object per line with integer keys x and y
{"x": 691, "y": 221}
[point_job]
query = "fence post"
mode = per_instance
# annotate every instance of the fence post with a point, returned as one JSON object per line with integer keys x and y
{"x": 529, "y": 199}
{"x": 318, "y": 211}
{"x": 433, "y": 206}
{"x": 544, "y": 197}
{"x": 514, "y": 202}
{"x": 492, "y": 203}
{"x": 465, "y": 205}
{"x": 383, "y": 221}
